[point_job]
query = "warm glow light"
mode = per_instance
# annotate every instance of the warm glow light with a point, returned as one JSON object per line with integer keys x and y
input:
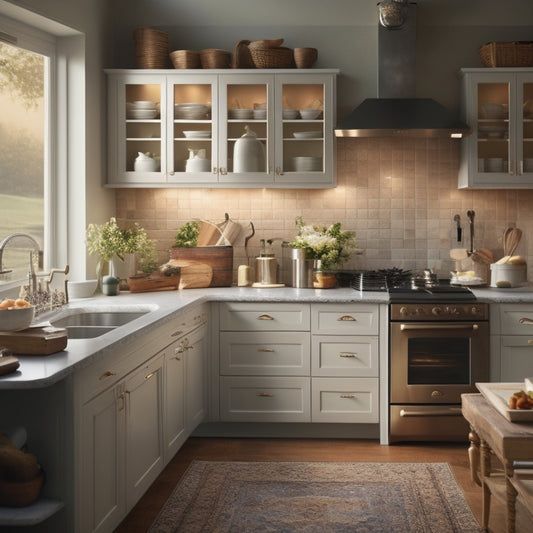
{"x": 456, "y": 135}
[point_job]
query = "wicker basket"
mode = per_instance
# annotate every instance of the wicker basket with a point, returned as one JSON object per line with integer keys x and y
{"x": 513, "y": 54}
{"x": 305, "y": 57}
{"x": 215, "y": 58}
{"x": 20, "y": 493}
{"x": 151, "y": 48}
{"x": 280, "y": 57}
{"x": 185, "y": 59}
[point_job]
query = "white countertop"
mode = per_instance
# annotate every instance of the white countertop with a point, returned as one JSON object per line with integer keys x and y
{"x": 41, "y": 371}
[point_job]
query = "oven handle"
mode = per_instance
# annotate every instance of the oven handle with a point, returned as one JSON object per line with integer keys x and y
{"x": 405, "y": 327}
{"x": 451, "y": 411}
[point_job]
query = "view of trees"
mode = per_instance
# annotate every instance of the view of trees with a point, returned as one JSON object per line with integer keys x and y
{"x": 21, "y": 153}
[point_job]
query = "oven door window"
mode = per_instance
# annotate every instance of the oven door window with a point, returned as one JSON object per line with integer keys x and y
{"x": 438, "y": 361}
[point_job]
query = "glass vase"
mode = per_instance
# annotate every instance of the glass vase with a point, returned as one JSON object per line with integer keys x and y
{"x": 322, "y": 278}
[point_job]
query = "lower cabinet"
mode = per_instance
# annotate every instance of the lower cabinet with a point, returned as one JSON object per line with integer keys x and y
{"x": 511, "y": 342}
{"x": 299, "y": 363}
{"x": 129, "y": 428}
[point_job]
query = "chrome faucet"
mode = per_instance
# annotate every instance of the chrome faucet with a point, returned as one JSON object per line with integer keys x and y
{"x": 34, "y": 246}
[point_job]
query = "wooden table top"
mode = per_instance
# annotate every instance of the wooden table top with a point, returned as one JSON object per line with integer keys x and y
{"x": 512, "y": 441}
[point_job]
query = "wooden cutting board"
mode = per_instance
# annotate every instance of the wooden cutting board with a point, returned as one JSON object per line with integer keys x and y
{"x": 194, "y": 275}
{"x": 35, "y": 341}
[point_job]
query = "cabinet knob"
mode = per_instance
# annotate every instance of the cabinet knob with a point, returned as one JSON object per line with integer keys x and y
{"x": 223, "y": 171}
{"x": 106, "y": 375}
{"x": 279, "y": 171}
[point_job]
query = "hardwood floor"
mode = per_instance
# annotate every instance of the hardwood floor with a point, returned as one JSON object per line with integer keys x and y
{"x": 229, "y": 449}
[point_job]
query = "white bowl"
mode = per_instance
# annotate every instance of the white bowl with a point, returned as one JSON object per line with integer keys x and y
{"x": 305, "y": 164}
{"x": 240, "y": 113}
{"x": 16, "y": 318}
{"x": 310, "y": 114}
{"x": 191, "y": 111}
{"x": 197, "y": 134}
{"x": 81, "y": 289}
{"x": 291, "y": 114}
{"x": 144, "y": 104}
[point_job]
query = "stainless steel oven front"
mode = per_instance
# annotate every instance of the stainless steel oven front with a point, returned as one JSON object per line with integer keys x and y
{"x": 438, "y": 351}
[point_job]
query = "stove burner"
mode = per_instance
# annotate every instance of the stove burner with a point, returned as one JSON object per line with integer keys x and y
{"x": 379, "y": 280}
{"x": 438, "y": 293}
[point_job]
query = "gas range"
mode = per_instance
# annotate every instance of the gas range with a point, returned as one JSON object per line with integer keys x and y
{"x": 406, "y": 286}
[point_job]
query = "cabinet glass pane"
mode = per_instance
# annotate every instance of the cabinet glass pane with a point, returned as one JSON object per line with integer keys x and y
{"x": 193, "y": 128}
{"x": 247, "y": 115}
{"x": 303, "y": 127}
{"x": 493, "y": 127}
{"x": 143, "y": 124}
{"x": 527, "y": 107}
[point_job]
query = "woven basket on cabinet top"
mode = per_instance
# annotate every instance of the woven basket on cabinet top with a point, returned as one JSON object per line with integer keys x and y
{"x": 151, "y": 48}
{"x": 185, "y": 59}
{"x": 215, "y": 58}
{"x": 279, "y": 57}
{"x": 512, "y": 54}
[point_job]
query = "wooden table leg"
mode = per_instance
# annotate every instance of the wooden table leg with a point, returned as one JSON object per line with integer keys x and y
{"x": 510, "y": 497}
{"x": 485, "y": 473}
{"x": 473, "y": 456}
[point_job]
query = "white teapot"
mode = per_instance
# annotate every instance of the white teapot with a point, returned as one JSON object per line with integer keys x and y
{"x": 197, "y": 161}
{"x": 145, "y": 163}
{"x": 249, "y": 153}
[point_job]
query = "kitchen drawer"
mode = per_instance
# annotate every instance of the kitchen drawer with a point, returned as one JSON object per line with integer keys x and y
{"x": 345, "y": 400}
{"x": 280, "y": 353}
{"x": 355, "y": 356}
{"x": 264, "y": 317}
{"x": 516, "y": 357}
{"x": 265, "y": 399}
{"x": 511, "y": 316}
{"x": 352, "y": 319}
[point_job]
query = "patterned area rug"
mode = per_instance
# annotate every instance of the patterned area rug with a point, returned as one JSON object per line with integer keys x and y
{"x": 316, "y": 497}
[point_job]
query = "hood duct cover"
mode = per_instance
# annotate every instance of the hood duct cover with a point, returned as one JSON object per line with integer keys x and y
{"x": 396, "y": 112}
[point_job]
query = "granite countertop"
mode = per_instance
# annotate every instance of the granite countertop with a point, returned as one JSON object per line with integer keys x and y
{"x": 42, "y": 371}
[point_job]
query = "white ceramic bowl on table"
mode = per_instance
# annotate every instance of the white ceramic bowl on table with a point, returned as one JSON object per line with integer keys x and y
{"x": 16, "y": 318}
{"x": 81, "y": 289}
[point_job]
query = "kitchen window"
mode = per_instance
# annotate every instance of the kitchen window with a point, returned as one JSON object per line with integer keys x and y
{"x": 34, "y": 166}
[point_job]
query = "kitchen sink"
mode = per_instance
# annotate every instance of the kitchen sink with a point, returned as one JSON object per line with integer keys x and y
{"x": 88, "y": 324}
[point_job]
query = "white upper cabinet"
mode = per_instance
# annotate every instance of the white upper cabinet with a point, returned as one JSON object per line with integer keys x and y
{"x": 222, "y": 128}
{"x": 498, "y": 105}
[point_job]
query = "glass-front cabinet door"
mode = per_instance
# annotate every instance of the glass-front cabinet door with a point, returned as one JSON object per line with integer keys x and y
{"x": 192, "y": 124}
{"x": 137, "y": 145}
{"x": 304, "y": 118}
{"x": 499, "y": 108}
{"x": 246, "y": 148}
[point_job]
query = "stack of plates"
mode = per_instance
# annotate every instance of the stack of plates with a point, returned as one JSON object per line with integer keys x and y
{"x": 191, "y": 111}
{"x": 241, "y": 113}
{"x": 305, "y": 164}
{"x": 260, "y": 114}
{"x": 142, "y": 110}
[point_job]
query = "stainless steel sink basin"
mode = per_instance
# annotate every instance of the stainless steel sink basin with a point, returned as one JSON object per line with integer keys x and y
{"x": 98, "y": 318}
{"x": 87, "y": 332}
{"x": 91, "y": 324}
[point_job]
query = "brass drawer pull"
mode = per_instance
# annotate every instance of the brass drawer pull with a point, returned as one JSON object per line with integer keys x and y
{"x": 177, "y": 333}
{"x": 265, "y": 395}
{"x": 265, "y": 317}
{"x": 525, "y": 320}
{"x": 346, "y": 318}
{"x": 268, "y": 350}
{"x": 347, "y": 354}
{"x": 349, "y": 396}
{"x": 150, "y": 375}
{"x": 106, "y": 374}
{"x": 530, "y": 341}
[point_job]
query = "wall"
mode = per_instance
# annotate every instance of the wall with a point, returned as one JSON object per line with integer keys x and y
{"x": 399, "y": 196}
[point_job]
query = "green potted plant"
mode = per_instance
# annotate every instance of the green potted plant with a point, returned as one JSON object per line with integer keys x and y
{"x": 328, "y": 247}
{"x": 120, "y": 248}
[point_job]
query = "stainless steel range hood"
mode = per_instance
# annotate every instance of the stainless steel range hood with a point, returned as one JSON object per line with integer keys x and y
{"x": 396, "y": 112}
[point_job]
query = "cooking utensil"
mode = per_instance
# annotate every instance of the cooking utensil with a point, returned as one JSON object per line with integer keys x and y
{"x": 230, "y": 232}
{"x": 471, "y": 215}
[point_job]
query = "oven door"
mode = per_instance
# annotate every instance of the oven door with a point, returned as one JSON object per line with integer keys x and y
{"x": 436, "y": 362}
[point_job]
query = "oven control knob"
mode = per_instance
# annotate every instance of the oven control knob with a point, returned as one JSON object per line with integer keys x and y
{"x": 436, "y": 311}
{"x": 474, "y": 311}
{"x": 403, "y": 311}
{"x": 419, "y": 311}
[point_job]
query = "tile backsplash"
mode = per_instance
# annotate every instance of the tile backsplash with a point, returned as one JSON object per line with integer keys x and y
{"x": 400, "y": 196}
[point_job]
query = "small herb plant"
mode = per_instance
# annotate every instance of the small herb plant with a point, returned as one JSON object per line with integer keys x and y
{"x": 187, "y": 236}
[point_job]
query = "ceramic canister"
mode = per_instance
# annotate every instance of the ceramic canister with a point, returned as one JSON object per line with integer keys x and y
{"x": 249, "y": 153}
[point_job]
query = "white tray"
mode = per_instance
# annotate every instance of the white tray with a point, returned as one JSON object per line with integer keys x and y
{"x": 498, "y": 395}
